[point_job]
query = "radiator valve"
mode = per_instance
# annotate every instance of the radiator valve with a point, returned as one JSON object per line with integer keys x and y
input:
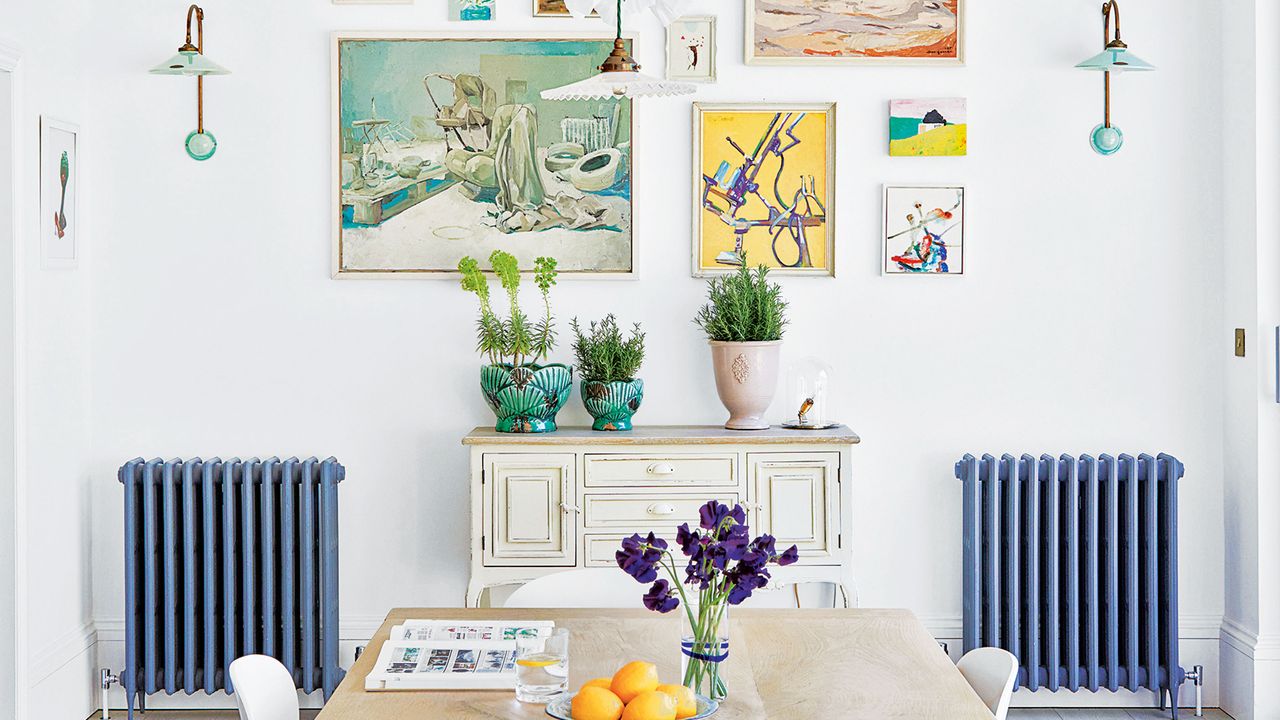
{"x": 1196, "y": 676}
{"x": 105, "y": 681}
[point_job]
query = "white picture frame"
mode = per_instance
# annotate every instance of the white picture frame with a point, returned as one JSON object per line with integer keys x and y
{"x": 679, "y": 55}
{"x": 895, "y": 225}
{"x": 751, "y": 57}
{"x": 59, "y": 199}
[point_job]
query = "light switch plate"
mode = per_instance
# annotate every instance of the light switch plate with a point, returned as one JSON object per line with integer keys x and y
{"x": 1239, "y": 342}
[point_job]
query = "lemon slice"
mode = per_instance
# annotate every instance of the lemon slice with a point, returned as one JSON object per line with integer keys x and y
{"x": 536, "y": 663}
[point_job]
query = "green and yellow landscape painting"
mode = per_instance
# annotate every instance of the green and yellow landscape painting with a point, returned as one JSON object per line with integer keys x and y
{"x": 928, "y": 128}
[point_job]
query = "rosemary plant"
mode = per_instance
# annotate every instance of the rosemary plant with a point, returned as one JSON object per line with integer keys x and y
{"x": 516, "y": 340}
{"x": 603, "y": 355}
{"x": 743, "y": 307}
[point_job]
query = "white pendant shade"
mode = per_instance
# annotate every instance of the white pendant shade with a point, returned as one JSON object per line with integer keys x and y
{"x": 668, "y": 10}
{"x": 581, "y": 8}
{"x": 608, "y": 85}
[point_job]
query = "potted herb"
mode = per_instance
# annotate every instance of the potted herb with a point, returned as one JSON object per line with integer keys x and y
{"x": 744, "y": 318}
{"x": 523, "y": 394}
{"x": 608, "y": 363}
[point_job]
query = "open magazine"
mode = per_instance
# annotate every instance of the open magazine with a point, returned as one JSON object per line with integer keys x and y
{"x": 452, "y": 655}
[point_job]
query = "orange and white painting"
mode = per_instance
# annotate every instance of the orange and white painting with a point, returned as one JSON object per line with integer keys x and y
{"x": 926, "y": 32}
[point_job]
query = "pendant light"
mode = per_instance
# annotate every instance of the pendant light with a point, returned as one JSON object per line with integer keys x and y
{"x": 619, "y": 77}
{"x": 190, "y": 61}
{"x": 1106, "y": 138}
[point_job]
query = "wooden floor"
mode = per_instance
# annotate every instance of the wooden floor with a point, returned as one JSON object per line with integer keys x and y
{"x": 1014, "y": 714}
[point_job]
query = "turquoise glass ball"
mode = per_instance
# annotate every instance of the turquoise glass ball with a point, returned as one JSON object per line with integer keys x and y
{"x": 201, "y": 145}
{"x": 1106, "y": 140}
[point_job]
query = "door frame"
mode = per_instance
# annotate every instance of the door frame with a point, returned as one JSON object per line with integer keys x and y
{"x": 11, "y": 62}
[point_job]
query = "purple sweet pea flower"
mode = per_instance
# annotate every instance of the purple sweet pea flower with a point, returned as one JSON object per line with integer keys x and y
{"x": 660, "y": 598}
{"x": 736, "y": 542}
{"x": 640, "y": 556}
{"x": 789, "y": 556}
{"x": 710, "y": 515}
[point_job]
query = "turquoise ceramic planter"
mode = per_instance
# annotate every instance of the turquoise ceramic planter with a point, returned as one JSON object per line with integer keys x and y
{"x": 613, "y": 403}
{"x": 526, "y": 398}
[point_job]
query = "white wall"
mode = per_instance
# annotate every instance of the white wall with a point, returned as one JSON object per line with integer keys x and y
{"x": 1089, "y": 319}
{"x": 54, "y": 321}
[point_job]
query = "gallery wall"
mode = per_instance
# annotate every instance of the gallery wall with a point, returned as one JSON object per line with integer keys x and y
{"x": 54, "y": 346}
{"x": 1088, "y": 319}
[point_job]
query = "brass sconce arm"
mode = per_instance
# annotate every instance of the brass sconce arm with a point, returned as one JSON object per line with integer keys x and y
{"x": 1112, "y": 7}
{"x": 196, "y": 12}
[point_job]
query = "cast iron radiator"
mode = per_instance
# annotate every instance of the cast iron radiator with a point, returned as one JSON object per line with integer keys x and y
{"x": 229, "y": 558}
{"x": 1072, "y": 566}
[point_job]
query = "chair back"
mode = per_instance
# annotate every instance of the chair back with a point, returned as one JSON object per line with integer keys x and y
{"x": 800, "y": 593}
{"x": 585, "y": 588}
{"x": 264, "y": 689}
{"x": 991, "y": 673}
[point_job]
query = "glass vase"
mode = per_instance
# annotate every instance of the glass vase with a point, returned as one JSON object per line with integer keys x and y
{"x": 704, "y": 647}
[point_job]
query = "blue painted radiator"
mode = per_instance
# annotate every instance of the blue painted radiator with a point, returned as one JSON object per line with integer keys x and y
{"x": 229, "y": 558}
{"x": 1072, "y": 566}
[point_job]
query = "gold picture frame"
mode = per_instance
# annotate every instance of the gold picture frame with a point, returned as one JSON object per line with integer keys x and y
{"x": 747, "y": 200}
{"x": 790, "y": 49}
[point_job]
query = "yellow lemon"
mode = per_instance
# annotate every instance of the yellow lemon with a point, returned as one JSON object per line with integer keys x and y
{"x": 596, "y": 703}
{"x": 686, "y": 702}
{"x": 634, "y": 678}
{"x": 651, "y": 705}
{"x": 598, "y": 682}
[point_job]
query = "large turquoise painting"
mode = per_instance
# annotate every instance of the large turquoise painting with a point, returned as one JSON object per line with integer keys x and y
{"x": 445, "y": 148}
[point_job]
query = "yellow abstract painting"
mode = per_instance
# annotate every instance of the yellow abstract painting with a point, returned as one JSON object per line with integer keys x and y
{"x": 764, "y": 187}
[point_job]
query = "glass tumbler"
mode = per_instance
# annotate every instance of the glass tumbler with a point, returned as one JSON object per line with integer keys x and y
{"x": 542, "y": 667}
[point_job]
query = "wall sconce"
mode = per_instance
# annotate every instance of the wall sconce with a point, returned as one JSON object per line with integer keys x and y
{"x": 1106, "y": 138}
{"x": 190, "y": 61}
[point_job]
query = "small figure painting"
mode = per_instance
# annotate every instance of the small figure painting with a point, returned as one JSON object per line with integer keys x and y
{"x": 59, "y": 183}
{"x": 472, "y": 10}
{"x": 922, "y": 128}
{"x": 691, "y": 49}
{"x": 899, "y": 32}
{"x": 924, "y": 230}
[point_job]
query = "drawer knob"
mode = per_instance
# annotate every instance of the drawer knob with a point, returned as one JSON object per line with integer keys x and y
{"x": 570, "y": 508}
{"x": 662, "y": 509}
{"x": 662, "y": 469}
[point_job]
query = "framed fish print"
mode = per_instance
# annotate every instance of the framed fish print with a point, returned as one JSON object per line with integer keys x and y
{"x": 764, "y": 187}
{"x": 691, "y": 49}
{"x": 854, "y": 32}
{"x": 60, "y": 174}
{"x": 443, "y": 148}
{"x": 924, "y": 229}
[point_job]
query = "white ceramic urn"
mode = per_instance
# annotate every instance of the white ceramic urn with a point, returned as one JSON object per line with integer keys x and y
{"x": 746, "y": 380}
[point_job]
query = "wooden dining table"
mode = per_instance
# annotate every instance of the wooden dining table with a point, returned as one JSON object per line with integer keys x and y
{"x": 787, "y": 664}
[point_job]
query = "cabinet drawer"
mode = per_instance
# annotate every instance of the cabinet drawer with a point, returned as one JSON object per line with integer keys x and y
{"x": 645, "y": 511}
{"x": 657, "y": 470}
{"x": 598, "y": 548}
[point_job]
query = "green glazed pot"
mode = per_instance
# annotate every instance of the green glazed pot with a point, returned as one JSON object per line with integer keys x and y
{"x": 526, "y": 398}
{"x": 612, "y": 403}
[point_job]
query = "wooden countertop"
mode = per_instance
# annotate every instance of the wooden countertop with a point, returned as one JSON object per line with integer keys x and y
{"x": 667, "y": 435}
{"x": 786, "y": 664}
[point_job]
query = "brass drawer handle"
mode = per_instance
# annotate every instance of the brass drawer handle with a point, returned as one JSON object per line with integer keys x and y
{"x": 662, "y": 469}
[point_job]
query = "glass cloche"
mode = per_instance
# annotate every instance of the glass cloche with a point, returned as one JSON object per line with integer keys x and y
{"x": 808, "y": 394}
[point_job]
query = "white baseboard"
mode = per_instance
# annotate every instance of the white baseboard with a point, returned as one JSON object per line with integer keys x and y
{"x": 63, "y": 676}
{"x": 61, "y": 651}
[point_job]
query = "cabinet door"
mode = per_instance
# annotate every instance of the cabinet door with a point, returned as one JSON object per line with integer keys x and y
{"x": 531, "y": 514}
{"x": 797, "y": 501}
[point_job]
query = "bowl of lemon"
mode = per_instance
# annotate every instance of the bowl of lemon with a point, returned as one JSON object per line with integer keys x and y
{"x": 633, "y": 693}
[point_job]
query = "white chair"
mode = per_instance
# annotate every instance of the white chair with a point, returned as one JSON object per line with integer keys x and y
{"x": 264, "y": 689}
{"x": 991, "y": 672}
{"x": 799, "y": 592}
{"x": 586, "y": 588}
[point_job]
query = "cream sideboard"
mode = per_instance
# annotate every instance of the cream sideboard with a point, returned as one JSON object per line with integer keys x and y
{"x": 549, "y": 502}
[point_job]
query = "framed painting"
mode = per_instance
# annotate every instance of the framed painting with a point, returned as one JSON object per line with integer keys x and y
{"x": 472, "y": 10}
{"x": 764, "y": 187}
{"x": 443, "y": 147}
{"x": 691, "y": 49}
{"x": 849, "y": 32}
{"x": 60, "y": 174}
{"x": 928, "y": 128}
{"x": 553, "y": 8}
{"x": 924, "y": 229}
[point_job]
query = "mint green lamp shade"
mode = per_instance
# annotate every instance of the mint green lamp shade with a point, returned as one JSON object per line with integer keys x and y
{"x": 201, "y": 145}
{"x": 1116, "y": 60}
{"x": 190, "y": 63}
